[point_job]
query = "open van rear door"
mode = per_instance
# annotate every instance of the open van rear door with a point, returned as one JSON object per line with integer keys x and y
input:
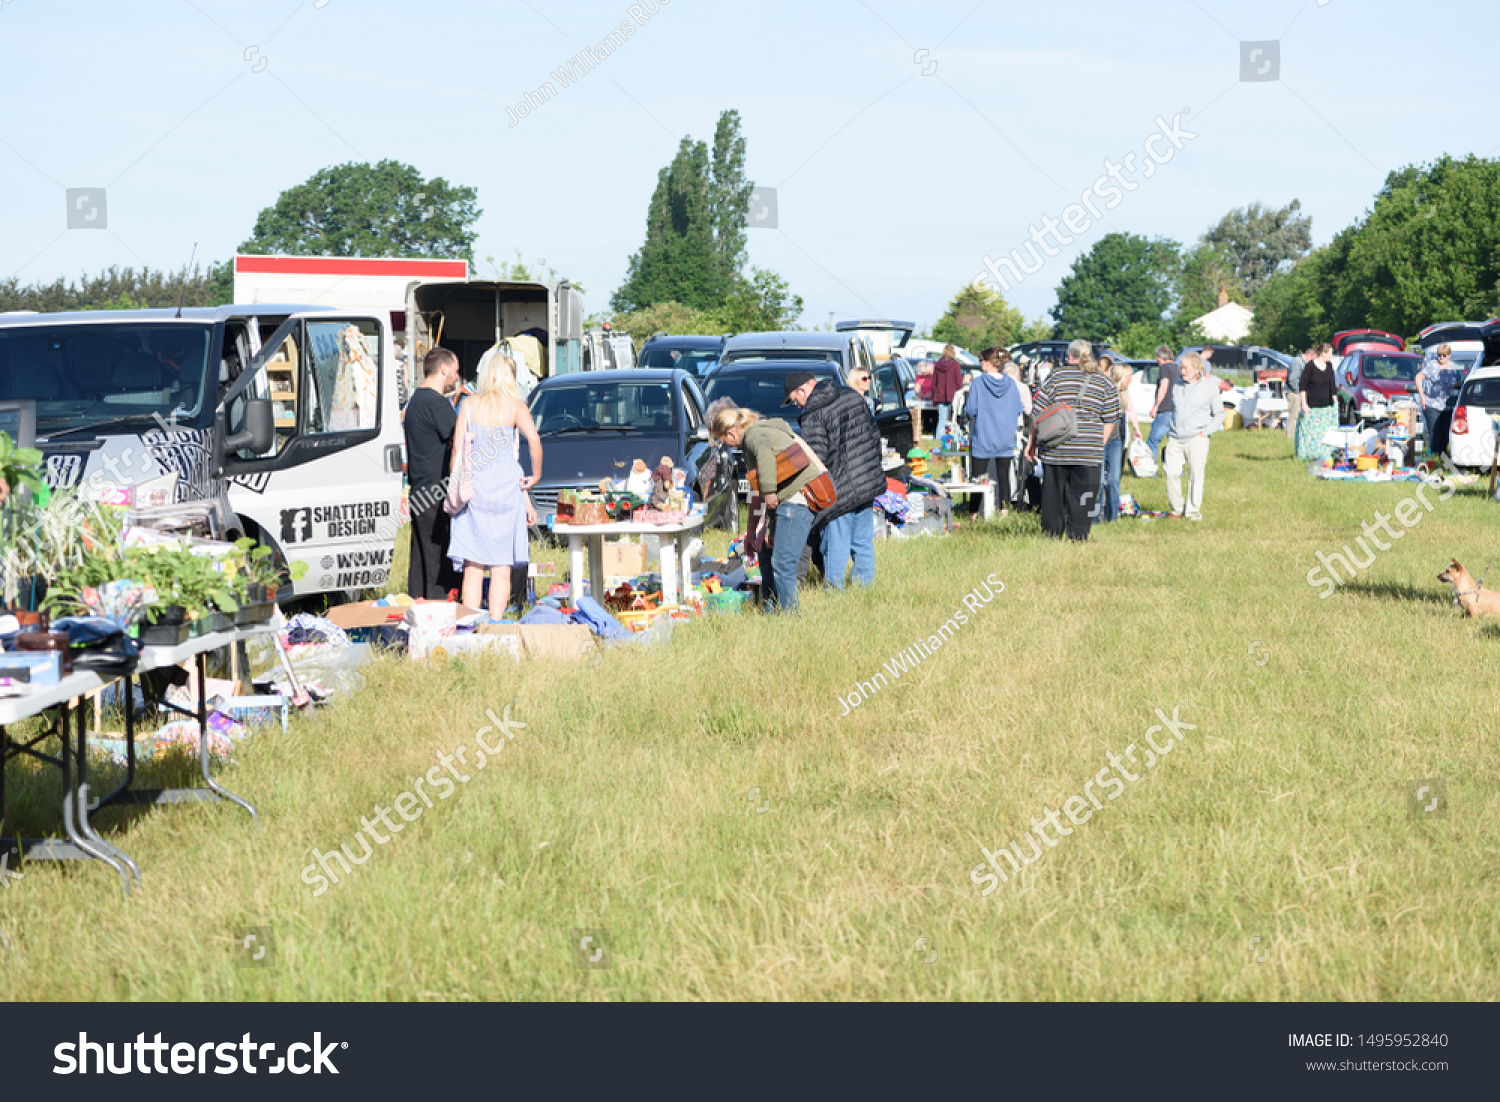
{"x": 328, "y": 490}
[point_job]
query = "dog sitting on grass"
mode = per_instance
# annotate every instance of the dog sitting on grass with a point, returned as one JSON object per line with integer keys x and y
{"x": 1467, "y": 593}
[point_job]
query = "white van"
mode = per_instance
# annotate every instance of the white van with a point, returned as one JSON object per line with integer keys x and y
{"x": 282, "y": 419}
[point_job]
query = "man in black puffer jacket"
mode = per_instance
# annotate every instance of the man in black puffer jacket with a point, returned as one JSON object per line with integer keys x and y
{"x": 843, "y": 434}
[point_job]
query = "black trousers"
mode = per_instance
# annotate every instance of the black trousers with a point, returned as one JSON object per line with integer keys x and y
{"x": 1069, "y": 498}
{"x": 429, "y": 574}
{"x": 998, "y": 468}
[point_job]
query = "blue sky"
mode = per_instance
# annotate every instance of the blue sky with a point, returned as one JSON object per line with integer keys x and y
{"x": 896, "y": 172}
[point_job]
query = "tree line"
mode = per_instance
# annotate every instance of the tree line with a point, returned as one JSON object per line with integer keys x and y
{"x": 1427, "y": 250}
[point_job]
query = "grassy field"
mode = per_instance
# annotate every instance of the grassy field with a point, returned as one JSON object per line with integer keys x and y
{"x": 707, "y": 808}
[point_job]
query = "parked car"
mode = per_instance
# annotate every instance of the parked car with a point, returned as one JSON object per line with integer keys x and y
{"x": 932, "y": 351}
{"x": 693, "y": 354}
{"x": 1056, "y": 351}
{"x": 761, "y": 385}
{"x": 594, "y": 425}
{"x": 844, "y": 350}
{"x": 1472, "y": 433}
{"x": 1472, "y": 343}
{"x": 1369, "y": 381}
{"x": 1366, "y": 340}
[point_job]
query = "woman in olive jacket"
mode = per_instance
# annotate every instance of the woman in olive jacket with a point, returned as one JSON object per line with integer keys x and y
{"x": 791, "y": 520}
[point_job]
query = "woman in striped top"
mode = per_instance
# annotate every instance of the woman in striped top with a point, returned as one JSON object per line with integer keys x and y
{"x": 1071, "y": 467}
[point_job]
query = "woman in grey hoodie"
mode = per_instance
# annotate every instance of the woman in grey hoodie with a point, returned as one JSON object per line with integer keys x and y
{"x": 1197, "y": 413}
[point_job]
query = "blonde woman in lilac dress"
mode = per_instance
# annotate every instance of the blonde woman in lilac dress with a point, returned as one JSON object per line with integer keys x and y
{"x": 490, "y": 533}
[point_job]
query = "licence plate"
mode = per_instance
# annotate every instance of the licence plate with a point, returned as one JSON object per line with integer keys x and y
{"x": 744, "y": 485}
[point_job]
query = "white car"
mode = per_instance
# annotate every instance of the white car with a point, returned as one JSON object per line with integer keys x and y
{"x": 1476, "y": 421}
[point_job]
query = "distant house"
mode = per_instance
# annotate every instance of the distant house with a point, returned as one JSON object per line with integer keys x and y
{"x": 1229, "y": 323}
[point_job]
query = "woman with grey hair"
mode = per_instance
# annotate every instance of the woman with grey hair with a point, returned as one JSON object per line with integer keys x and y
{"x": 1072, "y": 465}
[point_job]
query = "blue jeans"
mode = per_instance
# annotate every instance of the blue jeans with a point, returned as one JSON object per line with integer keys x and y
{"x": 1161, "y": 424}
{"x": 789, "y": 533}
{"x": 944, "y": 409}
{"x": 1109, "y": 484}
{"x": 853, "y": 533}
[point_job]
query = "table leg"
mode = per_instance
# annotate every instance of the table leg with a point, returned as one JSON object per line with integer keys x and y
{"x": 669, "y": 562}
{"x": 596, "y": 568}
{"x": 203, "y": 747}
{"x": 84, "y": 807}
{"x": 575, "y": 568}
{"x": 987, "y": 502}
{"x": 70, "y": 798}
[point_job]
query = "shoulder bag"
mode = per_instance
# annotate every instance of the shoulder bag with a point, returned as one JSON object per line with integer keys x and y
{"x": 460, "y": 473}
{"x": 1057, "y": 421}
{"x": 819, "y": 493}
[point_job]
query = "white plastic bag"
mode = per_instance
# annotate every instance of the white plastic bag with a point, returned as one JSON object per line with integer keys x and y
{"x": 1142, "y": 462}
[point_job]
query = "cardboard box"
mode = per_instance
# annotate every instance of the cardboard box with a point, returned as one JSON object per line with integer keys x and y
{"x": 624, "y": 560}
{"x": 34, "y": 667}
{"x": 473, "y": 643}
{"x": 571, "y": 641}
{"x": 367, "y": 614}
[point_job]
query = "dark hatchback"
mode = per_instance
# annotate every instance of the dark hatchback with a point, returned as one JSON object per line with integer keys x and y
{"x": 594, "y": 424}
{"x": 693, "y": 354}
{"x": 761, "y": 385}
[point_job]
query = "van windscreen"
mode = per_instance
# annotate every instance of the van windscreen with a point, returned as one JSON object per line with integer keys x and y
{"x": 79, "y": 373}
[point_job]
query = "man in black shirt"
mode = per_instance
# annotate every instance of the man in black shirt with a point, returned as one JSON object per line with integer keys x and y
{"x": 429, "y": 421}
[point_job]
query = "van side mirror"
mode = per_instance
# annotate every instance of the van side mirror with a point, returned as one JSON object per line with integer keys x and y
{"x": 259, "y": 431}
{"x": 701, "y": 433}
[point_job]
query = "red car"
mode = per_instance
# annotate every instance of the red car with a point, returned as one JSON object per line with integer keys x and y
{"x": 1366, "y": 340}
{"x": 1368, "y": 380}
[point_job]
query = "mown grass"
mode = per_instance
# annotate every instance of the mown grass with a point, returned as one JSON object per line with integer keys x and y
{"x": 629, "y": 801}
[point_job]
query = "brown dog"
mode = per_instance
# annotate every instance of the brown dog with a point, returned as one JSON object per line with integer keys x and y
{"x": 1475, "y": 601}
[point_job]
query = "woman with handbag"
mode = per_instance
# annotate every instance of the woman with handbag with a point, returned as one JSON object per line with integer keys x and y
{"x": 1075, "y": 413}
{"x": 487, "y": 494}
{"x": 790, "y": 479}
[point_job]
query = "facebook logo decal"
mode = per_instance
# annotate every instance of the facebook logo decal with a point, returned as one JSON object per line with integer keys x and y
{"x": 296, "y": 525}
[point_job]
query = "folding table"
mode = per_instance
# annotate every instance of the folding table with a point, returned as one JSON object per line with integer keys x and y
{"x": 84, "y": 842}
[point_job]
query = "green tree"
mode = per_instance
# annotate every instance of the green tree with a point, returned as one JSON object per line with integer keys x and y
{"x": 538, "y": 271}
{"x": 678, "y": 261}
{"x": 764, "y": 302}
{"x": 664, "y": 317}
{"x": 1261, "y": 241}
{"x": 1122, "y": 280}
{"x": 362, "y": 210}
{"x": 1038, "y": 328}
{"x": 1206, "y": 269}
{"x": 1429, "y": 250}
{"x": 729, "y": 197}
{"x": 115, "y": 289}
{"x": 978, "y": 318}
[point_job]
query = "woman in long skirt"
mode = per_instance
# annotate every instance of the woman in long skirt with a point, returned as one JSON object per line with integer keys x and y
{"x": 1319, "y": 406}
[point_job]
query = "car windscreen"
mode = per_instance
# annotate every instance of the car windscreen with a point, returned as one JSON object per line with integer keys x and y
{"x": 695, "y": 360}
{"x": 762, "y": 391}
{"x": 78, "y": 374}
{"x": 646, "y": 406}
{"x": 1481, "y": 392}
{"x": 1396, "y": 368}
{"x": 761, "y": 356}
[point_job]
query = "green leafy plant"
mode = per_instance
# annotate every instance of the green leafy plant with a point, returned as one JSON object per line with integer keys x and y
{"x": 21, "y": 467}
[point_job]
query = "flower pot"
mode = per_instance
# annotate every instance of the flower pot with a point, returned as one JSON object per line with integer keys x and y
{"x": 212, "y": 622}
{"x": 254, "y": 613}
{"x": 162, "y": 634}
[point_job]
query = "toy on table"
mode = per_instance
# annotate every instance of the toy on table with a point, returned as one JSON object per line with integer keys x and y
{"x": 639, "y": 481}
{"x": 917, "y": 459}
{"x": 661, "y": 483}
